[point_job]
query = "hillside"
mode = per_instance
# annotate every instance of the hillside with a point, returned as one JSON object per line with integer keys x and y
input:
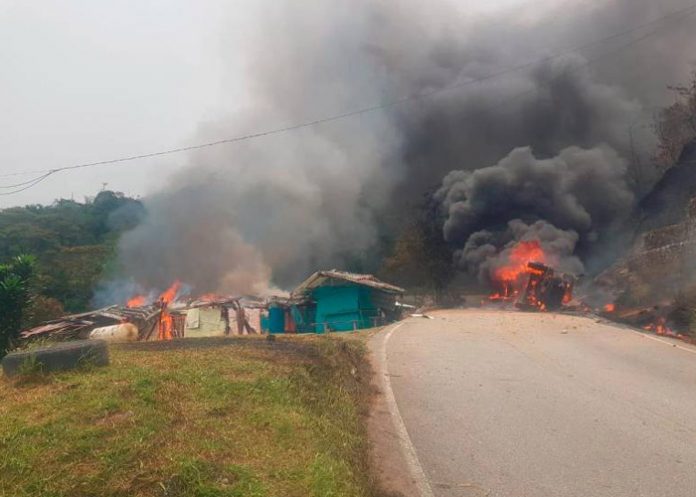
{"x": 658, "y": 266}
{"x": 73, "y": 243}
{"x": 217, "y": 417}
{"x": 668, "y": 201}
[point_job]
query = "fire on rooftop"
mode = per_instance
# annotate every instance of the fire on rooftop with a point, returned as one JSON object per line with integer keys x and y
{"x": 327, "y": 301}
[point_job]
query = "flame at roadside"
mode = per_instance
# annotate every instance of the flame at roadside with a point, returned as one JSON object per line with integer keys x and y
{"x": 660, "y": 327}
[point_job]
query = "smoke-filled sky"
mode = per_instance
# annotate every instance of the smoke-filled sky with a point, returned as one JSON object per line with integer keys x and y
{"x": 90, "y": 82}
{"x": 83, "y": 81}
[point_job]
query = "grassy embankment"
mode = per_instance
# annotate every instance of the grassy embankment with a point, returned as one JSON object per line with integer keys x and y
{"x": 232, "y": 417}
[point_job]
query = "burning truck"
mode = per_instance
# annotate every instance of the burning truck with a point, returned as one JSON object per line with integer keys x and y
{"x": 546, "y": 289}
{"x": 528, "y": 280}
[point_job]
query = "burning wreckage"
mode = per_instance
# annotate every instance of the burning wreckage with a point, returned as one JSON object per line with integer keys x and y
{"x": 528, "y": 282}
{"x": 327, "y": 301}
{"x": 538, "y": 288}
{"x": 164, "y": 318}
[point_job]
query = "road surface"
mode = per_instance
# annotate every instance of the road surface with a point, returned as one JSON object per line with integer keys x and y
{"x": 508, "y": 404}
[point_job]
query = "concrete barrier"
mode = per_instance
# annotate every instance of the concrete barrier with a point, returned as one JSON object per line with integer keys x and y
{"x": 59, "y": 357}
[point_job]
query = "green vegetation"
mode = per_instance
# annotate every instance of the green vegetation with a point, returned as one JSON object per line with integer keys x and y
{"x": 14, "y": 298}
{"x": 73, "y": 244}
{"x": 420, "y": 259}
{"x": 206, "y": 418}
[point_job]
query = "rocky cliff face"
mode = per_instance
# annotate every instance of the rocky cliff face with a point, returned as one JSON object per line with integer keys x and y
{"x": 662, "y": 260}
{"x": 670, "y": 198}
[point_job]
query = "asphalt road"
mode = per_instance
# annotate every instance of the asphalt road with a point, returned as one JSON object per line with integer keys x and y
{"x": 530, "y": 405}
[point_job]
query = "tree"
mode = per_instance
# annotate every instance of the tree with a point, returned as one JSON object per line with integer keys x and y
{"x": 421, "y": 259}
{"x": 14, "y": 298}
{"x": 73, "y": 244}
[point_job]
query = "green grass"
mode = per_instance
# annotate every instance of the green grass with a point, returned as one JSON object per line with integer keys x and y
{"x": 238, "y": 419}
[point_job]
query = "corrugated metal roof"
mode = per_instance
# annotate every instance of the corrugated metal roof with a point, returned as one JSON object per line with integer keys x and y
{"x": 72, "y": 325}
{"x": 320, "y": 277}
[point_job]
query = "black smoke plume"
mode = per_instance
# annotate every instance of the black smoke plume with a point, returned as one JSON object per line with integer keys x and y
{"x": 487, "y": 251}
{"x": 579, "y": 189}
{"x": 553, "y": 143}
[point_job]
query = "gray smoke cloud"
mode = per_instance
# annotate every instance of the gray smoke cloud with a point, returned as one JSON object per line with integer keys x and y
{"x": 267, "y": 212}
{"x": 230, "y": 229}
{"x": 579, "y": 189}
{"x": 580, "y": 195}
{"x": 486, "y": 251}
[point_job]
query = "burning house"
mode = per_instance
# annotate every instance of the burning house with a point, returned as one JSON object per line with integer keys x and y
{"x": 115, "y": 323}
{"x": 326, "y": 301}
{"x": 219, "y": 316}
{"x": 163, "y": 318}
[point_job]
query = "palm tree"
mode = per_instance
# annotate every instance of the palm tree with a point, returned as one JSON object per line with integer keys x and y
{"x": 14, "y": 298}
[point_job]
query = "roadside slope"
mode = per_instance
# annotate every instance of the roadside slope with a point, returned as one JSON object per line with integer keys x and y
{"x": 217, "y": 417}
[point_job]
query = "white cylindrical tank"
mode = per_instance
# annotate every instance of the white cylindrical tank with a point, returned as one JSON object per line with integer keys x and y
{"x": 124, "y": 332}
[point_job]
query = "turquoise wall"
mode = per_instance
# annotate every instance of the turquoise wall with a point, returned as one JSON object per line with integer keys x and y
{"x": 343, "y": 308}
{"x": 304, "y": 318}
{"x": 276, "y": 320}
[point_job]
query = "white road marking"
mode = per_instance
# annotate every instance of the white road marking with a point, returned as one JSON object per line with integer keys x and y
{"x": 409, "y": 451}
{"x": 671, "y": 344}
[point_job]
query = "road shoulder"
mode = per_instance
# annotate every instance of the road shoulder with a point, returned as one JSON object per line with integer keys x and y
{"x": 389, "y": 460}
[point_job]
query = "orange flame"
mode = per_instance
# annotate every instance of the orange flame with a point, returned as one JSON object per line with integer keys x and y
{"x": 609, "y": 308}
{"x": 509, "y": 278}
{"x": 166, "y": 325}
{"x": 660, "y": 327}
{"x": 166, "y": 322}
{"x": 137, "y": 301}
{"x": 521, "y": 254}
{"x": 170, "y": 293}
{"x": 568, "y": 296}
{"x": 208, "y": 297}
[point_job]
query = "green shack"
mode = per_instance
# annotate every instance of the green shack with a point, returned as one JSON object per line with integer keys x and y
{"x": 341, "y": 301}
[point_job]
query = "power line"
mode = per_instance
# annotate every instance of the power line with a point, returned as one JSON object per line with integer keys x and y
{"x": 680, "y": 14}
{"x": 28, "y": 184}
{"x": 17, "y": 185}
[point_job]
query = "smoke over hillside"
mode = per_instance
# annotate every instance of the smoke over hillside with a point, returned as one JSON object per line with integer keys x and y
{"x": 550, "y": 143}
{"x": 579, "y": 194}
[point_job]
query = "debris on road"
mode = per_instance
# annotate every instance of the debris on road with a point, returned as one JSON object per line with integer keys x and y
{"x": 421, "y": 316}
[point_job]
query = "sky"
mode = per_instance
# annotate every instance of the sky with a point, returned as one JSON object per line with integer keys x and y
{"x": 91, "y": 80}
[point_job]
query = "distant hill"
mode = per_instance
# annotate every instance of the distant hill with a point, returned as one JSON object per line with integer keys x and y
{"x": 73, "y": 242}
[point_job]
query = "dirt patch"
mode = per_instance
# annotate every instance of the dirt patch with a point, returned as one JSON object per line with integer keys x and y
{"x": 389, "y": 465}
